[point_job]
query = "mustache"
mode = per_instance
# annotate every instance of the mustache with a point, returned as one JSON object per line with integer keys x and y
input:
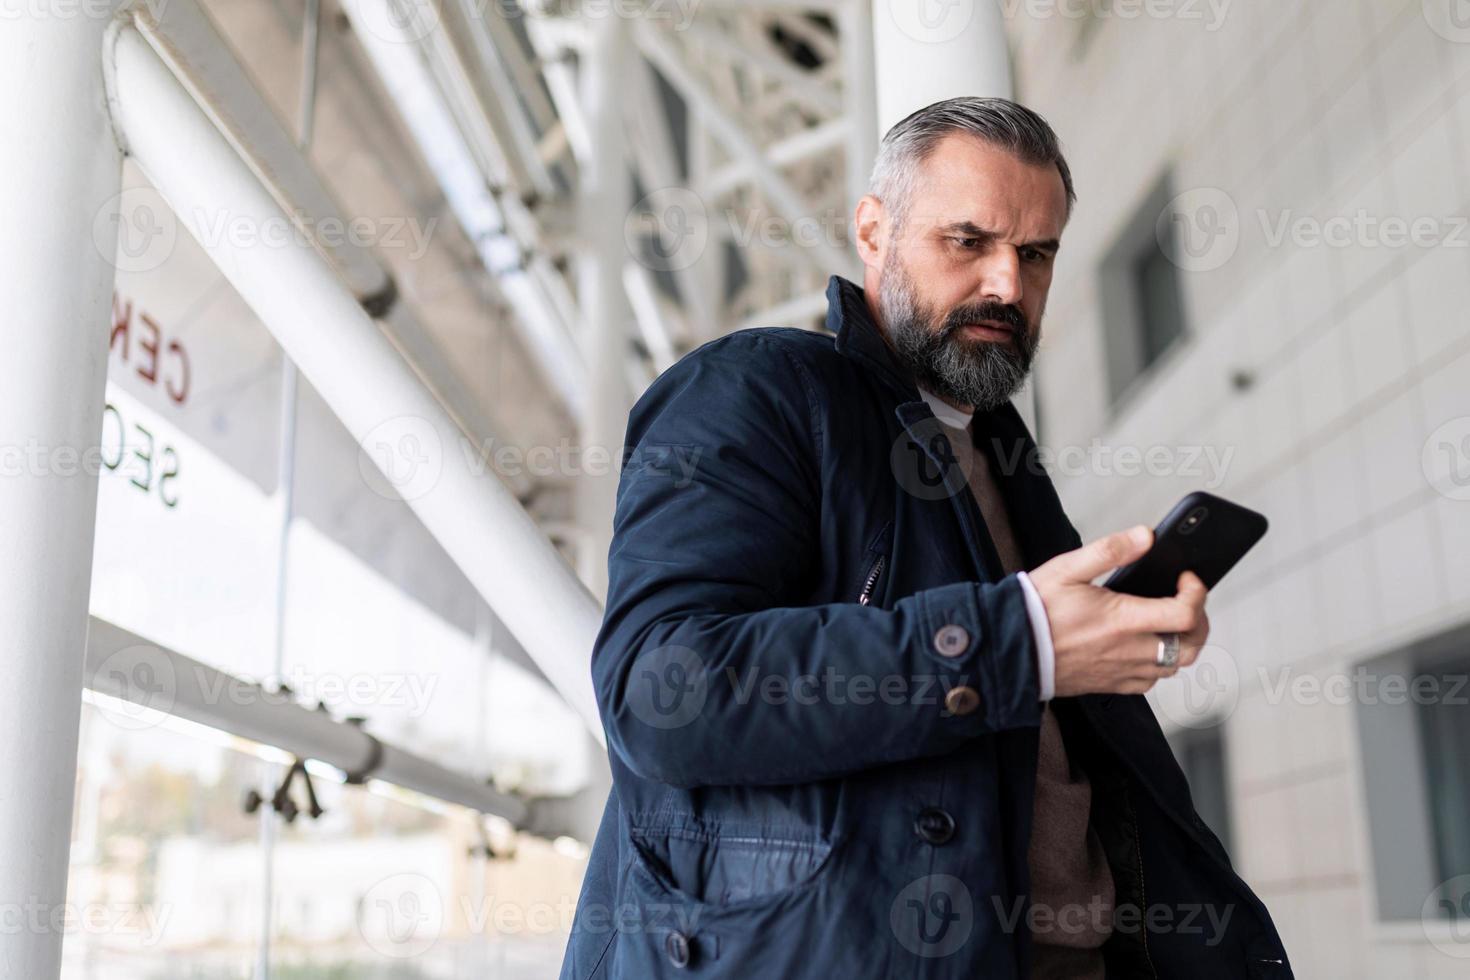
{"x": 1005, "y": 313}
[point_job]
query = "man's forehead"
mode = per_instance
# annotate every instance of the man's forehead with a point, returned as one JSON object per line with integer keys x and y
{"x": 967, "y": 180}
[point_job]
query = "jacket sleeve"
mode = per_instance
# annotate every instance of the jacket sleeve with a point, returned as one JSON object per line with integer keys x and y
{"x": 706, "y": 672}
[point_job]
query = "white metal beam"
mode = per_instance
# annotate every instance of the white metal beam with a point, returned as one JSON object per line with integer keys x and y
{"x": 201, "y": 59}
{"x": 797, "y": 83}
{"x": 392, "y": 47}
{"x": 798, "y": 308}
{"x": 787, "y": 203}
{"x": 653, "y": 321}
{"x": 359, "y": 374}
{"x": 188, "y": 689}
{"x": 818, "y": 6}
{"x": 799, "y": 146}
{"x": 653, "y": 152}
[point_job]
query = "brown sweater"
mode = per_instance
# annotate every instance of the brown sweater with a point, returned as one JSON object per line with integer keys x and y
{"x": 1071, "y": 885}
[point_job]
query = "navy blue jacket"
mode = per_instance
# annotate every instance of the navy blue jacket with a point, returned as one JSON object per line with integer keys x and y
{"x": 821, "y": 700}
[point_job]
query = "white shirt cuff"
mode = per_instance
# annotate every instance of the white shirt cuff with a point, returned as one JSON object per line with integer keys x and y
{"x": 1046, "y": 655}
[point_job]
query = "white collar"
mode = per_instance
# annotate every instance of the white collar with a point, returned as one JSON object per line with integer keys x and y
{"x": 947, "y": 413}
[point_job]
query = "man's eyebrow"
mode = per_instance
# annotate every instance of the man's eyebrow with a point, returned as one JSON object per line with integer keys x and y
{"x": 972, "y": 230}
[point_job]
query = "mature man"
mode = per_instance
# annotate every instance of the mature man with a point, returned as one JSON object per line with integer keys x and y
{"x": 851, "y": 734}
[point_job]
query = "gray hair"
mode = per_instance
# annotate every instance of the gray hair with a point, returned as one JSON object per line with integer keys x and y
{"x": 999, "y": 122}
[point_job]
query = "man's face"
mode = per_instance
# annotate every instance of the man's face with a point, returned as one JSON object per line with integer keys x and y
{"x": 961, "y": 280}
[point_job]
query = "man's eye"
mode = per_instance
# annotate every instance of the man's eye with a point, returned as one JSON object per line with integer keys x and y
{"x": 966, "y": 242}
{"x": 1033, "y": 255}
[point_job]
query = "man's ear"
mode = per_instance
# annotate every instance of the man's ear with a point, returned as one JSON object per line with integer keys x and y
{"x": 871, "y": 226}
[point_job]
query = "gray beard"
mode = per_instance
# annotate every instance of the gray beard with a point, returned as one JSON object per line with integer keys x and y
{"x": 982, "y": 374}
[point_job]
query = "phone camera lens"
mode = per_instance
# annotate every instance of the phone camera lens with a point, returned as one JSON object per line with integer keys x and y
{"x": 1193, "y": 520}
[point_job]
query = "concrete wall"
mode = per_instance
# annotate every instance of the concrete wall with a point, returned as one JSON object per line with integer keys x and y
{"x": 1350, "y": 424}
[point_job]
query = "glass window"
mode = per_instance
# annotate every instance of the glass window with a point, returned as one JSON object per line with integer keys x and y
{"x": 166, "y": 872}
{"x": 1445, "y": 730}
{"x": 1414, "y": 735}
{"x": 388, "y": 884}
{"x": 1160, "y": 307}
{"x": 1141, "y": 293}
{"x": 1201, "y": 754}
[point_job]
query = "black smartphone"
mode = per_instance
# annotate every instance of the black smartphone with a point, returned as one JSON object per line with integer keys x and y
{"x": 1203, "y": 534}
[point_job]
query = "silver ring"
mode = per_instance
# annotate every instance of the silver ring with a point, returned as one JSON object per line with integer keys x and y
{"x": 1168, "y": 655}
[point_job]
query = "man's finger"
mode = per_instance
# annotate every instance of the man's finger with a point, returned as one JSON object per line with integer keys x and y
{"x": 1191, "y": 589}
{"x": 1105, "y": 554}
{"x": 1167, "y": 615}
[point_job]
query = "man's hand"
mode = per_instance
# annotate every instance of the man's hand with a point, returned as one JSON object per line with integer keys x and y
{"x": 1107, "y": 642}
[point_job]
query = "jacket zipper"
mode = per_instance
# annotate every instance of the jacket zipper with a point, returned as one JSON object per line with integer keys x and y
{"x": 1142, "y": 888}
{"x": 869, "y": 583}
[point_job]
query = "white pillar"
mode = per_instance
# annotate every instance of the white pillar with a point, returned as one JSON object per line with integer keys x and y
{"x": 925, "y": 51}
{"x": 855, "y": 28}
{"x": 602, "y": 209}
{"x": 61, "y": 173}
{"x": 929, "y": 50}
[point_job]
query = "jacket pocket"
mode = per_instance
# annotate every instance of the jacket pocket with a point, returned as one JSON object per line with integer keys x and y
{"x": 722, "y": 869}
{"x": 721, "y": 901}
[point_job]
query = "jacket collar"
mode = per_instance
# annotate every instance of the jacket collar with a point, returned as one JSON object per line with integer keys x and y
{"x": 859, "y": 337}
{"x": 1041, "y": 526}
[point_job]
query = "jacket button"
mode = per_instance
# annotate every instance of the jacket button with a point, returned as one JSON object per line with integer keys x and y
{"x": 951, "y": 640}
{"x": 676, "y": 945}
{"x": 961, "y": 701}
{"x": 934, "y": 825}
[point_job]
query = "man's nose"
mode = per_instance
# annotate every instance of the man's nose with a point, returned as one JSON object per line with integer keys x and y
{"x": 1000, "y": 276}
